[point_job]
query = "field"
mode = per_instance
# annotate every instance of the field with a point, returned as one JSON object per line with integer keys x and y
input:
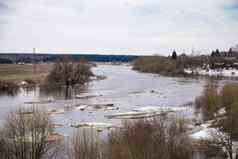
{"x": 17, "y": 73}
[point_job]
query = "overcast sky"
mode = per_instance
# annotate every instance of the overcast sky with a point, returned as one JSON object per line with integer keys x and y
{"x": 118, "y": 26}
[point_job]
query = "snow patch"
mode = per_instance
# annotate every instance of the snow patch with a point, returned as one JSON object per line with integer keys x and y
{"x": 213, "y": 72}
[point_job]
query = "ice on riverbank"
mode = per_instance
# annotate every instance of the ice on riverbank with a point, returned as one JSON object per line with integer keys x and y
{"x": 145, "y": 112}
{"x": 204, "y": 134}
{"x": 204, "y": 131}
{"x": 213, "y": 72}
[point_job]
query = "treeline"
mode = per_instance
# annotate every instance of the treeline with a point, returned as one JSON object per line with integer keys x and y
{"x": 30, "y": 58}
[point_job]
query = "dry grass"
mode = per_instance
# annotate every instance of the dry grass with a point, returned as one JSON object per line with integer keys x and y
{"x": 17, "y": 73}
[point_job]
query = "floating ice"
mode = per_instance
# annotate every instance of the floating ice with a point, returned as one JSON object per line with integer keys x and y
{"x": 81, "y": 107}
{"x": 56, "y": 111}
{"x": 92, "y": 125}
{"x": 86, "y": 96}
{"x": 145, "y": 112}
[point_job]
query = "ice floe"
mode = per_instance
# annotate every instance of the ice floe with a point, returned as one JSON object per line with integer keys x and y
{"x": 40, "y": 102}
{"x": 94, "y": 107}
{"x": 96, "y": 125}
{"x": 87, "y": 96}
{"x": 81, "y": 107}
{"x": 56, "y": 111}
{"x": 145, "y": 112}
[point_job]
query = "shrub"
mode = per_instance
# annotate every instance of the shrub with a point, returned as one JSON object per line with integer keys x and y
{"x": 167, "y": 66}
{"x": 144, "y": 139}
{"x": 156, "y": 64}
{"x": 159, "y": 138}
{"x": 85, "y": 146}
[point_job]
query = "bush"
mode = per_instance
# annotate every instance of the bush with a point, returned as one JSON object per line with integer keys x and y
{"x": 229, "y": 95}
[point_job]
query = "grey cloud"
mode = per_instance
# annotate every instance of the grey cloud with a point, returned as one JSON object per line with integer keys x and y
{"x": 106, "y": 25}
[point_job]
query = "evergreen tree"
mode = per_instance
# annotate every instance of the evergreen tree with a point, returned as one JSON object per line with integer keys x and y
{"x": 230, "y": 52}
{"x": 174, "y": 55}
{"x": 213, "y": 54}
{"x": 217, "y": 53}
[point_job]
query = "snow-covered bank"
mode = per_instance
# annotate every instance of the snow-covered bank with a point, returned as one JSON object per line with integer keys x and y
{"x": 213, "y": 72}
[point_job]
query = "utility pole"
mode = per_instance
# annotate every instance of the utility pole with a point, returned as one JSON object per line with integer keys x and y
{"x": 34, "y": 61}
{"x": 34, "y": 71}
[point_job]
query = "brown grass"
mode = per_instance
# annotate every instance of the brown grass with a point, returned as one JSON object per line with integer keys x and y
{"x": 17, "y": 73}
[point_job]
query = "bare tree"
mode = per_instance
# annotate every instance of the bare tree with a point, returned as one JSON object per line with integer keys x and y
{"x": 67, "y": 73}
{"x": 27, "y": 135}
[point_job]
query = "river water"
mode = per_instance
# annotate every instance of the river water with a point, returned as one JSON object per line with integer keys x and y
{"x": 124, "y": 88}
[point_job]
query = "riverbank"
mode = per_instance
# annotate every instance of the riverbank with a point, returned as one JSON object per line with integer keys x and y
{"x": 187, "y": 66}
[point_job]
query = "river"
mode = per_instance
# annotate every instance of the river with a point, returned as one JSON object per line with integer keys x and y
{"x": 124, "y": 88}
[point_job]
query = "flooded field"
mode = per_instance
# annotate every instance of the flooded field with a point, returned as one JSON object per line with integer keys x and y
{"x": 124, "y": 94}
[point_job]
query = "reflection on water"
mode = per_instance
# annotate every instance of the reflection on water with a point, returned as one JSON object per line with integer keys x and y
{"x": 10, "y": 91}
{"x": 62, "y": 92}
{"x": 124, "y": 90}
